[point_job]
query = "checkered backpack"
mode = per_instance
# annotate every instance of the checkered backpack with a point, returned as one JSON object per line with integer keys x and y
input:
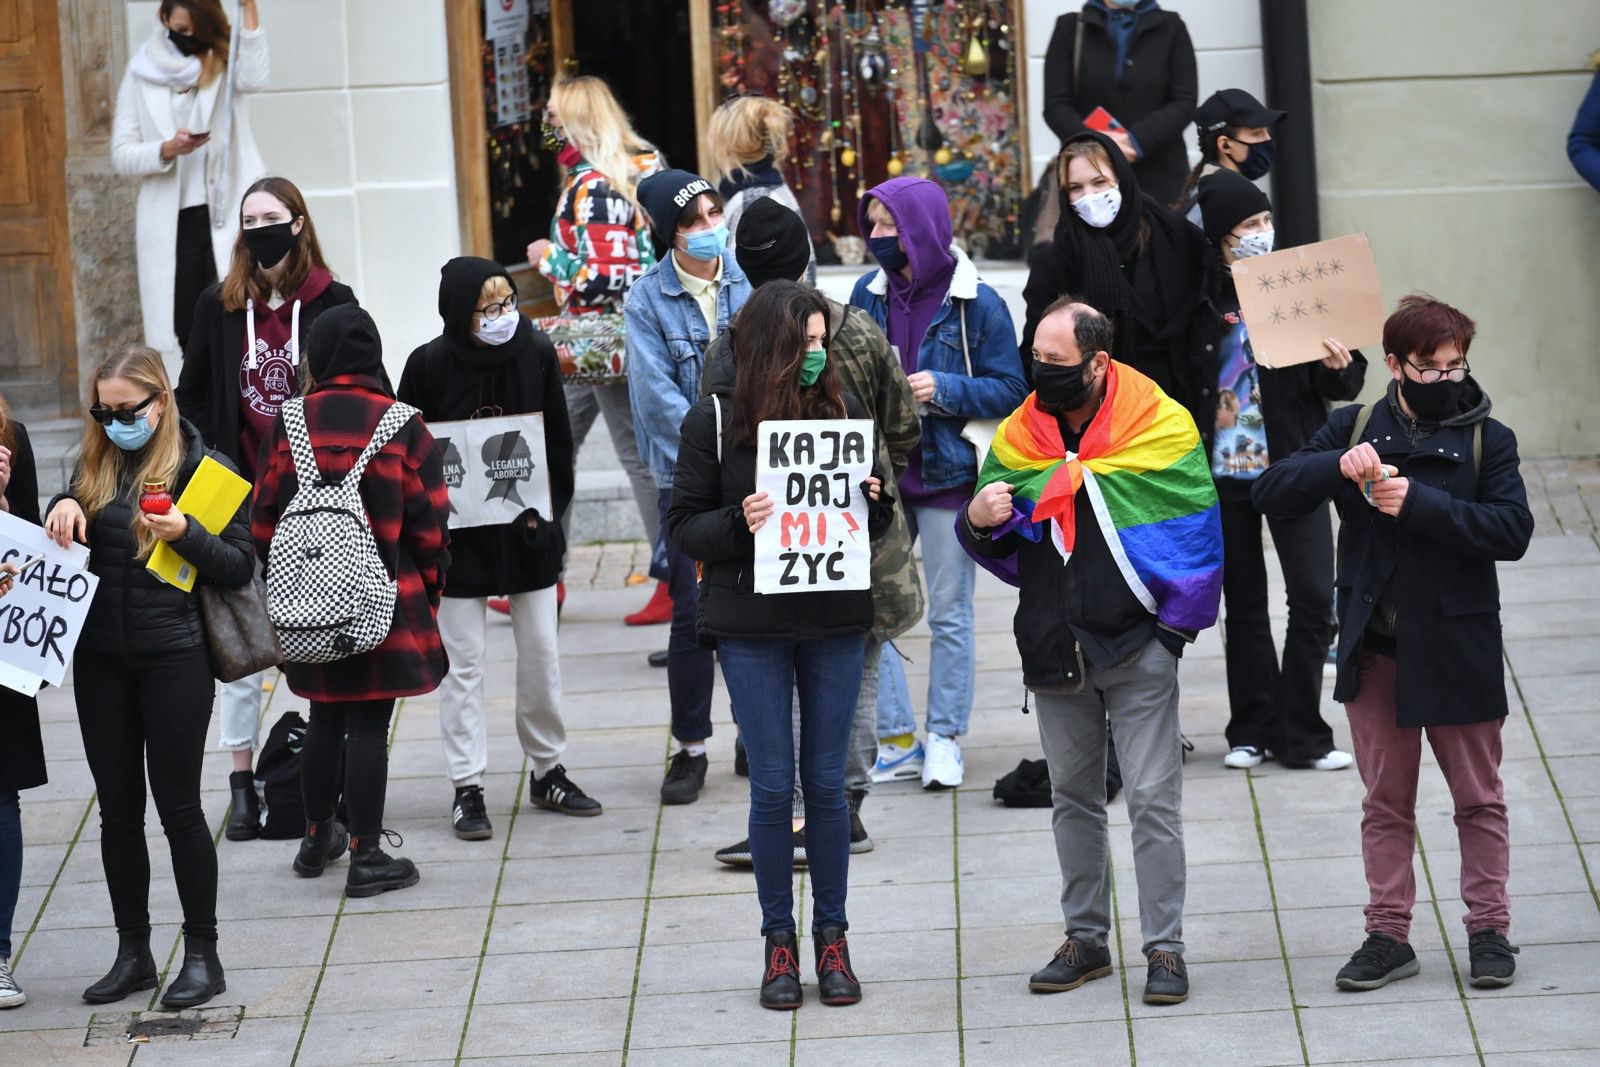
{"x": 328, "y": 592}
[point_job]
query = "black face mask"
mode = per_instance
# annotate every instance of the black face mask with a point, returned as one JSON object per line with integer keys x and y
{"x": 1435, "y": 402}
{"x": 1061, "y": 388}
{"x": 187, "y": 43}
{"x": 269, "y": 244}
{"x": 1257, "y": 159}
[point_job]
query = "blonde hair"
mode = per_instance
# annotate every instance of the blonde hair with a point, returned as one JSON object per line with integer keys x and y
{"x": 103, "y": 467}
{"x": 596, "y": 123}
{"x": 744, "y": 130}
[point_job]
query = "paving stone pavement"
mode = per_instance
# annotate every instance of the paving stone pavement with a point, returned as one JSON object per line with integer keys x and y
{"x": 620, "y": 940}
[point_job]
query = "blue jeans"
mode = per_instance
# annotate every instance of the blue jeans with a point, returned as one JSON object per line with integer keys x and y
{"x": 691, "y": 670}
{"x": 761, "y": 676}
{"x": 10, "y": 866}
{"x": 950, "y": 573}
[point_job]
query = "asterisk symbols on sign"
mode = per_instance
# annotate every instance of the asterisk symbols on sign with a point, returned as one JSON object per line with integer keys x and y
{"x": 1285, "y": 278}
{"x": 1320, "y": 306}
{"x": 1299, "y": 310}
{"x": 1277, "y": 315}
{"x": 1265, "y": 283}
{"x": 1303, "y": 274}
{"x": 1335, "y": 267}
{"x": 1320, "y": 270}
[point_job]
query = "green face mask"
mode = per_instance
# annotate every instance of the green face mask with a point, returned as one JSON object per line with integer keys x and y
{"x": 811, "y": 369}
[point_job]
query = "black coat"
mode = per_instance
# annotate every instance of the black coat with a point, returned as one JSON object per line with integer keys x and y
{"x": 452, "y": 378}
{"x": 706, "y": 522}
{"x": 134, "y": 613}
{"x": 1436, "y": 558}
{"x": 1154, "y": 97}
{"x": 208, "y": 384}
{"x": 22, "y": 763}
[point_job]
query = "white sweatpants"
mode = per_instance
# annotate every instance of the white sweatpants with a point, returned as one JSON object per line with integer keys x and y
{"x": 464, "y": 629}
{"x": 240, "y": 724}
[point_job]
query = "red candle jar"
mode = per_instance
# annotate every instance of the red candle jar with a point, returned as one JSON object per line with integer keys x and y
{"x": 155, "y": 500}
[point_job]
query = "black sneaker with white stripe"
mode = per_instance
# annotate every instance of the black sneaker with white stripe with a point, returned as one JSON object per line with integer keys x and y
{"x": 739, "y": 855}
{"x": 469, "y": 818}
{"x": 556, "y": 792}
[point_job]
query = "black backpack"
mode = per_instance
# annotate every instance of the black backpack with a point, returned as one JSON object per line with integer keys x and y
{"x": 278, "y": 769}
{"x": 1029, "y": 785}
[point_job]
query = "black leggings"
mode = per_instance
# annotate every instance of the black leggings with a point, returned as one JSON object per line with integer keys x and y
{"x": 364, "y": 727}
{"x": 150, "y": 710}
{"x": 196, "y": 267}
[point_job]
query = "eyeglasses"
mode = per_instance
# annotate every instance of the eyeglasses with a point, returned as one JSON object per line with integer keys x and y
{"x": 1434, "y": 375}
{"x": 504, "y": 307}
{"x": 126, "y": 416}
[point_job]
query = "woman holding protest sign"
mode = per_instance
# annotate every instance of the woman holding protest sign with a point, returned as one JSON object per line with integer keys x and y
{"x": 490, "y": 363}
{"x": 21, "y": 747}
{"x": 770, "y": 644}
{"x": 142, "y": 674}
{"x": 241, "y": 363}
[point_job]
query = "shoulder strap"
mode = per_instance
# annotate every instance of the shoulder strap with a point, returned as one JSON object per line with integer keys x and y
{"x": 397, "y": 416}
{"x": 716, "y": 402}
{"x": 966, "y": 357}
{"x": 1477, "y": 449}
{"x": 1361, "y": 424}
{"x": 299, "y": 434}
{"x": 1077, "y": 56}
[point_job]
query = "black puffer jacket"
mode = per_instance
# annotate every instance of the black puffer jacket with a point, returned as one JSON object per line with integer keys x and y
{"x": 134, "y": 613}
{"x": 706, "y": 521}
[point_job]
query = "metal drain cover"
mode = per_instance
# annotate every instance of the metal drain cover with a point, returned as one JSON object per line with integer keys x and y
{"x": 147, "y": 1027}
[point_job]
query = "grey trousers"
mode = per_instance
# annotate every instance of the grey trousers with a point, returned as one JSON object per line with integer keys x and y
{"x": 1140, "y": 699}
{"x": 584, "y": 404}
{"x": 863, "y": 732}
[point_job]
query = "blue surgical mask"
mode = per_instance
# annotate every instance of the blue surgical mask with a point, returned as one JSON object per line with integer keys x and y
{"x": 888, "y": 253}
{"x": 130, "y": 436}
{"x": 706, "y": 245}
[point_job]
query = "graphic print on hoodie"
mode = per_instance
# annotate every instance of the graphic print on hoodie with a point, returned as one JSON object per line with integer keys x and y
{"x": 270, "y": 374}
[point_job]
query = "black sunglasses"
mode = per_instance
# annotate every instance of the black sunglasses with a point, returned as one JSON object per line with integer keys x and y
{"x": 126, "y": 416}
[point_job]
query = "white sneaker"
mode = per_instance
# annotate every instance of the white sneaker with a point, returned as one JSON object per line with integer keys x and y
{"x": 11, "y": 994}
{"x": 942, "y": 768}
{"x": 1243, "y": 757}
{"x": 1333, "y": 761}
{"x": 898, "y": 763}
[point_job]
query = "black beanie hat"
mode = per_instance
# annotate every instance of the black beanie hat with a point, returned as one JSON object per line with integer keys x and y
{"x": 772, "y": 242}
{"x": 1227, "y": 199}
{"x": 664, "y": 195}
{"x": 344, "y": 340}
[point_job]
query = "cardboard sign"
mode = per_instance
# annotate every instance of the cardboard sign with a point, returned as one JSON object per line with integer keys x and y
{"x": 1293, "y": 299}
{"x": 494, "y": 468}
{"x": 816, "y": 539}
{"x": 42, "y": 615}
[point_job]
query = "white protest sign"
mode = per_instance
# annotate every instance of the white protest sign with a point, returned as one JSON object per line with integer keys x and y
{"x": 816, "y": 539}
{"x": 494, "y": 468}
{"x": 42, "y": 616}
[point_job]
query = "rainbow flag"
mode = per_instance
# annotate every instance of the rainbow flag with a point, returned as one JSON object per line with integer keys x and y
{"x": 1143, "y": 464}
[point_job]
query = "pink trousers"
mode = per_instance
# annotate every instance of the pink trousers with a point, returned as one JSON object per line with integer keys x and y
{"x": 1389, "y": 758}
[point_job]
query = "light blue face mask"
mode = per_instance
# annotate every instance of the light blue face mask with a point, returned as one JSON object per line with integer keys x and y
{"x": 706, "y": 245}
{"x": 130, "y": 436}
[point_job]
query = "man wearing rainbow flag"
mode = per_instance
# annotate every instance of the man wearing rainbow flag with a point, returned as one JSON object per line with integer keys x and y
{"x": 1115, "y": 579}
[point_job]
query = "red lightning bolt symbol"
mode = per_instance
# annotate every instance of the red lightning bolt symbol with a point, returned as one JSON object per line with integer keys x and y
{"x": 851, "y": 519}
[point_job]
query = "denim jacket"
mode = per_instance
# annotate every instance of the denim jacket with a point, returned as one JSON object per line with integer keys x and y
{"x": 667, "y": 339}
{"x": 996, "y": 386}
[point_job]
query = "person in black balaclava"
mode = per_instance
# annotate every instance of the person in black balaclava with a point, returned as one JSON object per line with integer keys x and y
{"x": 490, "y": 362}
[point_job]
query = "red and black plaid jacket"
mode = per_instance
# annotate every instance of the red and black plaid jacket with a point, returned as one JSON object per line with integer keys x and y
{"x": 408, "y": 505}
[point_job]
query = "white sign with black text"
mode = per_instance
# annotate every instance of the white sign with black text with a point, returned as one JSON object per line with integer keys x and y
{"x": 816, "y": 539}
{"x": 494, "y": 468}
{"x": 42, "y": 614}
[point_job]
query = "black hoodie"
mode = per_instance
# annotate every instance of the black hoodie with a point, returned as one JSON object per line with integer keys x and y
{"x": 454, "y": 377}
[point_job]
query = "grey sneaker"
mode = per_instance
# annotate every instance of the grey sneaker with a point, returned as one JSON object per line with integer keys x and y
{"x": 11, "y": 994}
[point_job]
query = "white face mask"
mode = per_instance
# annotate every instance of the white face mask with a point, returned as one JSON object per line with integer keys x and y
{"x": 1254, "y": 244}
{"x": 499, "y": 331}
{"x": 1098, "y": 209}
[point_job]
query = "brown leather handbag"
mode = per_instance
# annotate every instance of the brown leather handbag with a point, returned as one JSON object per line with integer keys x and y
{"x": 238, "y": 630}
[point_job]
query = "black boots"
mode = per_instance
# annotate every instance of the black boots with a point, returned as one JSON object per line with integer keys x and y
{"x": 200, "y": 977}
{"x": 133, "y": 971}
{"x": 780, "y": 986}
{"x": 244, "y": 824}
{"x": 324, "y": 842}
{"x": 373, "y": 871}
{"x": 836, "y": 982}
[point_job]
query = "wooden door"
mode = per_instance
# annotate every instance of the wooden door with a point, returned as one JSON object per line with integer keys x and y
{"x": 38, "y": 357}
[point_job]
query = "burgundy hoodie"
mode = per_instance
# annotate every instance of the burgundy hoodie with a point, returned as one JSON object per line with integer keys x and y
{"x": 273, "y": 376}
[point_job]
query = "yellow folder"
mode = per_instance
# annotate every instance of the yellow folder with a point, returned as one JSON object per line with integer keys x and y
{"x": 212, "y": 496}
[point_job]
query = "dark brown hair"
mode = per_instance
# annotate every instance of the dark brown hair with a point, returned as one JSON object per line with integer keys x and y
{"x": 210, "y": 28}
{"x": 245, "y": 280}
{"x": 1422, "y": 325}
{"x": 769, "y": 345}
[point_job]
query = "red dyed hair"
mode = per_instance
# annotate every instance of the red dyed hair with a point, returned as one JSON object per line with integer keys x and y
{"x": 1421, "y": 325}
